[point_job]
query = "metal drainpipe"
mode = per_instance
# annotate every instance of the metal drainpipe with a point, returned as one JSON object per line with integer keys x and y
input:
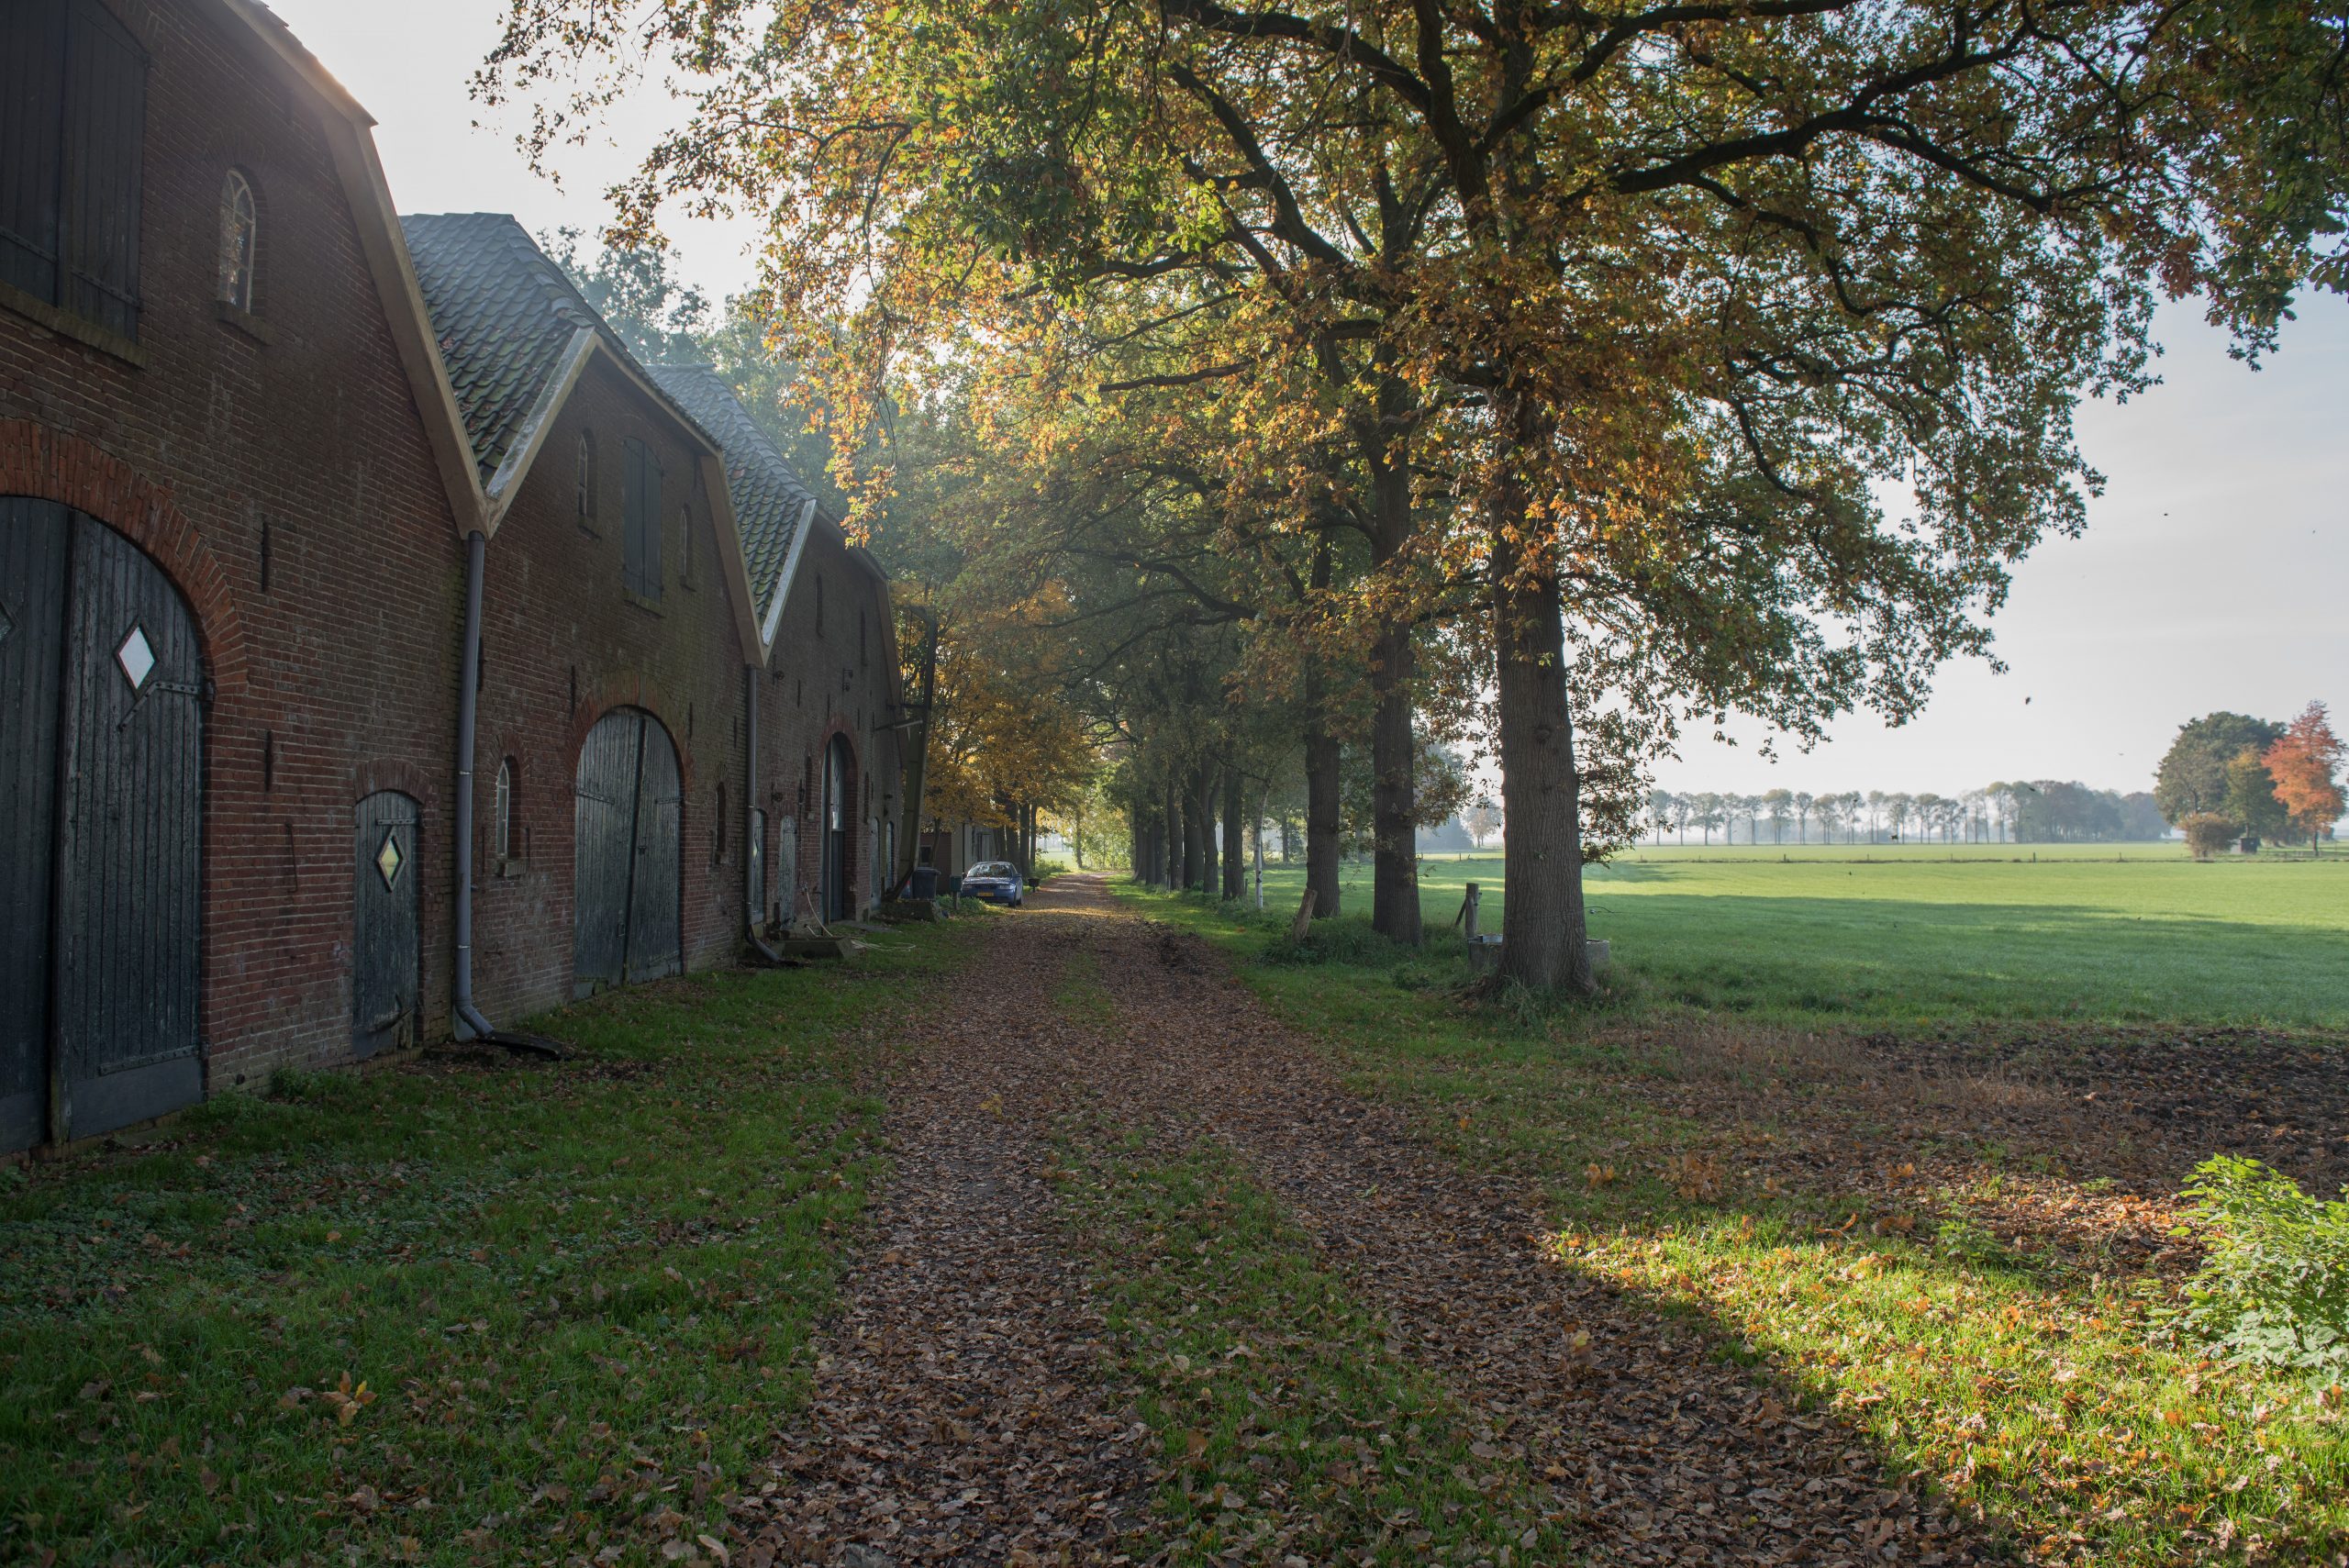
{"x": 753, "y": 896}
{"x": 468, "y": 705}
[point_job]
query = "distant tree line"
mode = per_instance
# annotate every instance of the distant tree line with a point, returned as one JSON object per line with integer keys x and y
{"x": 2036, "y": 811}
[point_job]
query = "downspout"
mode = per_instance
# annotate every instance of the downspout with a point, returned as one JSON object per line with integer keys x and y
{"x": 468, "y": 712}
{"x": 753, "y": 896}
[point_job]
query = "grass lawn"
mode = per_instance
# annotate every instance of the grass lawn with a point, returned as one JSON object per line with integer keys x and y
{"x": 456, "y": 1311}
{"x": 2136, "y": 932}
{"x": 2038, "y": 1386}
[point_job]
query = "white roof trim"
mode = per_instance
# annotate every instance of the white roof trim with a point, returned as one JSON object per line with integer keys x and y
{"x": 790, "y": 570}
{"x": 507, "y": 483}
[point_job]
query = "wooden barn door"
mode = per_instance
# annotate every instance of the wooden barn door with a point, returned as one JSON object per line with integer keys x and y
{"x": 36, "y": 557}
{"x": 102, "y": 707}
{"x": 387, "y": 937}
{"x": 655, "y": 935}
{"x": 629, "y": 857}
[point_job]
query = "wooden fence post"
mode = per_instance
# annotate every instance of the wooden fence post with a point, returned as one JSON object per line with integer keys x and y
{"x": 1304, "y": 921}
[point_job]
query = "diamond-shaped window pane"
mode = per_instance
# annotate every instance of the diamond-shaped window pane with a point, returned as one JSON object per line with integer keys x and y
{"x": 388, "y": 858}
{"x": 137, "y": 658}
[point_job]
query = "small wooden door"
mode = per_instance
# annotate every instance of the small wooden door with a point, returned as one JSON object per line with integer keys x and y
{"x": 838, "y": 896}
{"x": 387, "y": 937}
{"x": 756, "y": 891}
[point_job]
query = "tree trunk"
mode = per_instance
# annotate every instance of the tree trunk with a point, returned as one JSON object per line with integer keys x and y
{"x": 1394, "y": 874}
{"x": 1171, "y": 860}
{"x": 1202, "y": 813}
{"x": 1235, "y": 844}
{"x": 917, "y": 769}
{"x": 1543, "y": 927}
{"x": 1186, "y": 856}
{"x": 1321, "y": 808}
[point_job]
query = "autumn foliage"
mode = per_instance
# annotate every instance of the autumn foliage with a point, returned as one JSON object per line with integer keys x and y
{"x": 1574, "y": 350}
{"x": 2304, "y": 764}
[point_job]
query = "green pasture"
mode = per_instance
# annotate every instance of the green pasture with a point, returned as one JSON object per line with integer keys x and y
{"x": 2137, "y": 932}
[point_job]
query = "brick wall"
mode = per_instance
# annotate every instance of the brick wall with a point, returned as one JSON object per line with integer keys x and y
{"x": 343, "y": 670}
{"x": 563, "y": 642}
{"x": 828, "y": 680}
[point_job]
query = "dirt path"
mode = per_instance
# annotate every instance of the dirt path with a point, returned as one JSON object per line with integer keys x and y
{"x": 959, "y": 1414}
{"x": 965, "y": 1414}
{"x": 1664, "y": 1454}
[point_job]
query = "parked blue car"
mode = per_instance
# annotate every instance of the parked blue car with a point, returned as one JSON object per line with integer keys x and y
{"x": 999, "y": 882}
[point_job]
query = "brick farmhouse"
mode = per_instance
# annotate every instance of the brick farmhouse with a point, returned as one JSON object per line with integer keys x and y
{"x": 384, "y": 649}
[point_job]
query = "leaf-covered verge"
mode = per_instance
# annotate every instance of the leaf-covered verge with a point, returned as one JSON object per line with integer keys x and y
{"x": 464, "y": 1310}
{"x": 2037, "y": 1380}
{"x": 1289, "y": 1430}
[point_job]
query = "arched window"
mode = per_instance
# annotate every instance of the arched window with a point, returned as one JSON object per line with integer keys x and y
{"x": 239, "y": 236}
{"x": 501, "y": 815}
{"x": 584, "y": 479}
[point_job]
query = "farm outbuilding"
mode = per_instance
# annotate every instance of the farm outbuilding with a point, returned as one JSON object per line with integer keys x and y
{"x": 228, "y": 583}
{"x": 381, "y": 650}
{"x": 828, "y": 765}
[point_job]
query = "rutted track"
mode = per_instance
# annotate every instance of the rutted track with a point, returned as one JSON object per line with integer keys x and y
{"x": 965, "y": 1414}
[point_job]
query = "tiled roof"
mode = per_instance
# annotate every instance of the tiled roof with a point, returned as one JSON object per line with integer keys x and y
{"x": 769, "y": 497}
{"x": 504, "y": 315}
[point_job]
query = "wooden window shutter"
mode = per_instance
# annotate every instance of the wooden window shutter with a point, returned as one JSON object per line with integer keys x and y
{"x": 105, "y": 124}
{"x": 32, "y": 145}
{"x": 641, "y": 527}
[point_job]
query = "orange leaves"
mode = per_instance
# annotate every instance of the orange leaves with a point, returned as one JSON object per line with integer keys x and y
{"x": 1695, "y": 1177}
{"x": 344, "y": 1400}
{"x": 2303, "y": 764}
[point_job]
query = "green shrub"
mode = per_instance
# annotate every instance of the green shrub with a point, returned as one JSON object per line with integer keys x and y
{"x": 2275, "y": 1288}
{"x": 1044, "y": 871}
{"x": 2208, "y": 833}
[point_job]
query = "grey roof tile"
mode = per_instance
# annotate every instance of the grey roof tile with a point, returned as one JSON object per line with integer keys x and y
{"x": 504, "y": 315}
{"x": 769, "y": 497}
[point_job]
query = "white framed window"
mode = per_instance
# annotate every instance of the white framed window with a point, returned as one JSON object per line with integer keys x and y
{"x": 240, "y": 240}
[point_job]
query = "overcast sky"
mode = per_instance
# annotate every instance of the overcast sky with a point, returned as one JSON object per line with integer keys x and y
{"x": 2214, "y": 573}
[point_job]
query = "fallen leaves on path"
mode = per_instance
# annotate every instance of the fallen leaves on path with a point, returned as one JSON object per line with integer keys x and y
{"x": 1656, "y": 1450}
{"x": 958, "y": 1412}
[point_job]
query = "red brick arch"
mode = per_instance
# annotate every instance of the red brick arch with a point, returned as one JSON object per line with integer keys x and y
{"x": 421, "y": 785}
{"x": 50, "y": 464}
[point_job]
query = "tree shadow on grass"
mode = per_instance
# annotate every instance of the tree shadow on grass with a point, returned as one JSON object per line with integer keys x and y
{"x": 1936, "y": 1251}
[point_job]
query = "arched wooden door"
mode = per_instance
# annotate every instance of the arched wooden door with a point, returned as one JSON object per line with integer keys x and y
{"x": 839, "y": 896}
{"x": 629, "y": 865}
{"x": 101, "y": 697}
{"x": 387, "y": 937}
